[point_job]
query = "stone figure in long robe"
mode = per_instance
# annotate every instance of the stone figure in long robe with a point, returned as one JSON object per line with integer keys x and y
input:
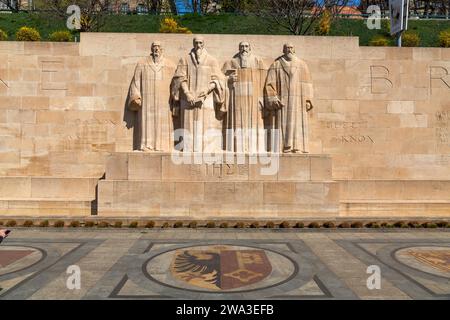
{"x": 198, "y": 91}
{"x": 288, "y": 94}
{"x": 149, "y": 98}
{"x": 245, "y": 126}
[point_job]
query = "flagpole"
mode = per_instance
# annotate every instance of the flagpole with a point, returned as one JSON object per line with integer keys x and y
{"x": 399, "y": 39}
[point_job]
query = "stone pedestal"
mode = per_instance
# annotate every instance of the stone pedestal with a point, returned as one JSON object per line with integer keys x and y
{"x": 191, "y": 186}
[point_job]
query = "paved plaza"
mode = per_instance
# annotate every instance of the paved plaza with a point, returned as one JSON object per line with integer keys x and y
{"x": 225, "y": 264}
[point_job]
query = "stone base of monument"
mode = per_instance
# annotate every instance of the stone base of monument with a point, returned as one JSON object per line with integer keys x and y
{"x": 47, "y": 196}
{"x": 394, "y": 198}
{"x": 234, "y": 186}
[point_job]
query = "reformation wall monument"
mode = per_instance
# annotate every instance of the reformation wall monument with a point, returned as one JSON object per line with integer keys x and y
{"x": 223, "y": 126}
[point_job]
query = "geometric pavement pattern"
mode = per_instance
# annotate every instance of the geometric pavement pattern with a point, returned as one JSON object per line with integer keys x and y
{"x": 198, "y": 264}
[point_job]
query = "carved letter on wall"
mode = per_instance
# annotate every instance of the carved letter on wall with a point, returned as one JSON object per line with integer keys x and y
{"x": 379, "y": 81}
{"x": 48, "y": 68}
{"x": 439, "y": 73}
{"x": 3, "y": 82}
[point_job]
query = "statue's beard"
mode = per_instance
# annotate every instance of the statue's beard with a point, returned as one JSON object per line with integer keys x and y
{"x": 290, "y": 56}
{"x": 156, "y": 56}
{"x": 198, "y": 52}
{"x": 244, "y": 57}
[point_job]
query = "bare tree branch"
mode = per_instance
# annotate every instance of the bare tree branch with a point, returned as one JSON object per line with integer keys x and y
{"x": 297, "y": 16}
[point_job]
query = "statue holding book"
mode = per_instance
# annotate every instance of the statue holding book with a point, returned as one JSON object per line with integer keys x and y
{"x": 198, "y": 92}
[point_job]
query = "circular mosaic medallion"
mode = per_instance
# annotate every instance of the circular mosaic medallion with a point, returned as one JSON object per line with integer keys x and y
{"x": 220, "y": 268}
{"x": 434, "y": 260}
{"x": 16, "y": 258}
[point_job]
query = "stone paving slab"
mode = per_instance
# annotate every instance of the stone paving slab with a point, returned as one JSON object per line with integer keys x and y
{"x": 226, "y": 264}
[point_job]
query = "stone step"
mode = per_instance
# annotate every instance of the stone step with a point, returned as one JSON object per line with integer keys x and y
{"x": 402, "y": 190}
{"x": 394, "y": 208}
{"x": 37, "y": 207}
{"x": 50, "y": 188}
{"x": 259, "y": 199}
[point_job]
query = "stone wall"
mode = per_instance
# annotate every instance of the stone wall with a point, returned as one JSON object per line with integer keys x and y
{"x": 381, "y": 113}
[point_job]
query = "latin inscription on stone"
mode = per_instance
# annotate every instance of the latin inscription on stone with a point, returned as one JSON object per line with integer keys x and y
{"x": 345, "y": 124}
{"x": 48, "y": 68}
{"x": 442, "y": 127}
{"x": 439, "y": 75}
{"x": 353, "y": 139}
{"x": 219, "y": 171}
{"x": 380, "y": 82}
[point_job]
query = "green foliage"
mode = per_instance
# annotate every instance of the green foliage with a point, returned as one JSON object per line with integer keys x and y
{"x": 270, "y": 225}
{"x": 238, "y": 6}
{"x": 61, "y": 36}
{"x": 410, "y": 39}
{"x": 3, "y": 35}
{"x": 314, "y": 225}
{"x": 59, "y": 224}
{"x": 254, "y": 224}
{"x": 299, "y": 225}
{"x": 414, "y": 224}
{"x": 28, "y": 223}
{"x": 165, "y": 225}
{"x": 44, "y": 224}
{"x": 89, "y": 224}
{"x": 240, "y": 225}
{"x": 150, "y": 224}
{"x": 192, "y": 224}
{"x": 357, "y": 224}
{"x": 387, "y": 225}
{"x": 400, "y": 224}
{"x": 443, "y": 224}
{"x": 178, "y": 224}
{"x": 74, "y": 224}
{"x": 284, "y": 224}
{"x": 373, "y": 225}
{"x": 103, "y": 224}
{"x": 329, "y": 224}
{"x": 428, "y": 30}
{"x": 444, "y": 39}
{"x": 386, "y": 26}
{"x": 28, "y": 34}
{"x": 345, "y": 225}
{"x": 211, "y": 224}
{"x": 429, "y": 225}
{"x": 11, "y": 223}
{"x": 224, "y": 225}
{"x": 133, "y": 224}
{"x": 379, "y": 41}
{"x": 117, "y": 224}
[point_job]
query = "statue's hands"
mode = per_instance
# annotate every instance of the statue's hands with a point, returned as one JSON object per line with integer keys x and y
{"x": 212, "y": 87}
{"x": 278, "y": 104}
{"x": 175, "y": 112}
{"x": 190, "y": 98}
{"x": 309, "y": 105}
{"x": 136, "y": 104}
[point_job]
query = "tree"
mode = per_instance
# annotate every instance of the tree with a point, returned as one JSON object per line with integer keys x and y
{"x": 13, "y": 5}
{"x": 297, "y": 16}
{"x": 154, "y": 6}
{"x": 93, "y": 12}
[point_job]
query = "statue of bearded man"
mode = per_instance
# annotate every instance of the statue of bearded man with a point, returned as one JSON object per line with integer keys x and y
{"x": 148, "y": 97}
{"x": 198, "y": 91}
{"x": 288, "y": 93}
{"x": 245, "y": 126}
